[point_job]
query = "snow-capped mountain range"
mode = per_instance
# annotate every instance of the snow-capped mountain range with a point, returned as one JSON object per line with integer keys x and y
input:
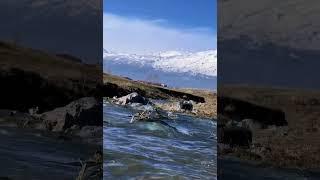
{"x": 202, "y": 63}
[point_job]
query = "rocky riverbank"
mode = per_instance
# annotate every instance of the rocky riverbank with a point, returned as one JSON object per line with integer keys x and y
{"x": 201, "y": 103}
{"x": 167, "y": 107}
{"x": 80, "y": 118}
{"x": 278, "y": 127}
{"x": 78, "y": 122}
{"x": 51, "y": 94}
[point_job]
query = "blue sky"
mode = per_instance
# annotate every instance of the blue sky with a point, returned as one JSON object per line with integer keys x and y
{"x": 149, "y": 26}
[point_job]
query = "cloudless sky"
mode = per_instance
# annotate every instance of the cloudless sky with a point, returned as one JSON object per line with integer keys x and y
{"x": 180, "y": 13}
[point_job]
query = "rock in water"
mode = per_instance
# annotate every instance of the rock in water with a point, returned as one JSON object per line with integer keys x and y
{"x": 141, "y": 116}
{"x": 148, "y": 116}
{"x": 82, "y": 112}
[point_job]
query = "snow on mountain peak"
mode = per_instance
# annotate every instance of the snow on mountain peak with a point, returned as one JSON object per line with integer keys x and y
{"x": 195, "y": 63}
{"x": 170, "y": 54}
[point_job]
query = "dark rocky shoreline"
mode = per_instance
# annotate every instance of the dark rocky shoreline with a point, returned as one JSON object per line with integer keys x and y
{"x": 276, "y": 127}
{"x": 51, "y": 94}
{"x": 149, "y": 105}
{"x": 204, "y": 103}
{"x": 80, "y": 118}
{"x": 78, "y": 122}
{"x": 238, "y": 123}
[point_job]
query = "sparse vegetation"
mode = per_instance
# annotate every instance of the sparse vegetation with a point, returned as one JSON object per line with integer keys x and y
{"x": 294, "y": 145}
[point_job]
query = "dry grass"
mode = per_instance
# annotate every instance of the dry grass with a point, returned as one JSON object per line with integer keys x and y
{"x": 149, "y": 90}
{"x": 298, "y": 144}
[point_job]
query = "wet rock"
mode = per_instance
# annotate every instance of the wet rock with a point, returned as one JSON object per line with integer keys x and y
{"x": 186, "y": 105}
{"x": 147, "y": 115}
{"x": 141, "y": 116}
{"x": 83, "y": 112}
{"x": 141, "y": 107}
{"x": 131, "y": 98}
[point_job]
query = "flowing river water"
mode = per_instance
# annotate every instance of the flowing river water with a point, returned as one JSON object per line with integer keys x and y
{"x": 32, "y": 154}
{"x": 145, "y": 150}
{"x": 148, "y": 150}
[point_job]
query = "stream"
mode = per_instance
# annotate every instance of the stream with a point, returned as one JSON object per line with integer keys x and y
{"x": 186, "y": 149}
{"x": 32, "y": 154}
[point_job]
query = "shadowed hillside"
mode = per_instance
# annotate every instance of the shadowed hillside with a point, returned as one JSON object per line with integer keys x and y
{"x": 32, "y": 78}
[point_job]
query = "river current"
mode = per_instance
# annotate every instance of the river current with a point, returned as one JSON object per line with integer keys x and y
{"x": 186, "y": 149}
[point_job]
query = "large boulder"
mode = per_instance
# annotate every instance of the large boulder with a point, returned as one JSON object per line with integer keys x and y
{"x": 82, "y": 112}
{"x": 132, "y": 98}
{"x": 186, "y": 105}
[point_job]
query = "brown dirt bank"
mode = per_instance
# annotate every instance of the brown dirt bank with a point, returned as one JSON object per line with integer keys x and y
{"x": 205, "y": 101}
{"x": 294, "y": 145}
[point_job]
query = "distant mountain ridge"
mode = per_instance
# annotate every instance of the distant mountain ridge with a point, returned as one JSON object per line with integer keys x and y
{"x": 202, "y": 63}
